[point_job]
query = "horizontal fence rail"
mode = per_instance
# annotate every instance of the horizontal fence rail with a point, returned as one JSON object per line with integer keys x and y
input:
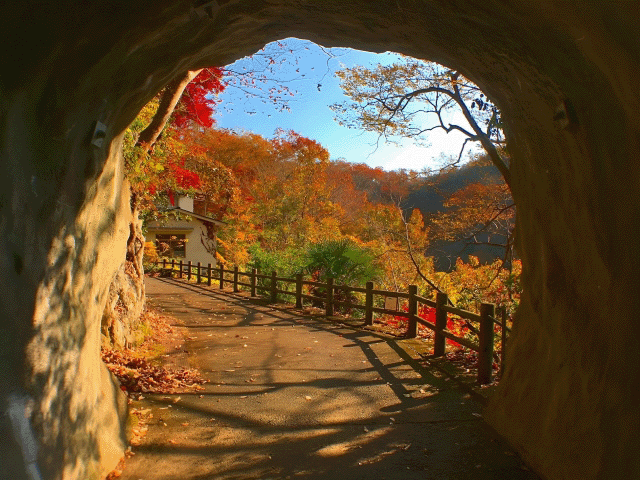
{"x": 326, "y": 293}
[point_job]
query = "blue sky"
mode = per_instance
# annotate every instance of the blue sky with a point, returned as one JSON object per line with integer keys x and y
{"x": 308, "y": 70}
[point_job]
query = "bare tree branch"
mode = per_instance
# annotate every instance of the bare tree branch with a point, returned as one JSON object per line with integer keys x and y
{"x": 489, "y": 147}
{"x": 415, "y": 263}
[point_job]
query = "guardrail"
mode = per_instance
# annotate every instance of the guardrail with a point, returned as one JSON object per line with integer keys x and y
{"x": 486, "y": 318}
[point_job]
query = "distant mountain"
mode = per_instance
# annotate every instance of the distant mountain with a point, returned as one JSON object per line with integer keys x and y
{"x": 429, "y": 199}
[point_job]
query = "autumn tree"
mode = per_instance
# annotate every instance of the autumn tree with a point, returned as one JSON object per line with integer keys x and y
{"x": 347, "y": 200}
{"x": 478, "y": 210}
{"x": 186, "y": 95}
{"x": 189, "y": 102}
{"x": 411, "y": 98}
{"x": 279, "y": 197}
{"x": 289, "y": 198}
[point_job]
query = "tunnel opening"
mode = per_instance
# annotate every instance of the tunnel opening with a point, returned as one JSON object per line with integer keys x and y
{"x": 368, "y": 140}
{"x": 395, "y": 266}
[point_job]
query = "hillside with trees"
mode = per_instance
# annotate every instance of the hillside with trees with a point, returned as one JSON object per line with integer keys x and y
{"x": 470, "y": 211}
{"x": 281, "y": 198}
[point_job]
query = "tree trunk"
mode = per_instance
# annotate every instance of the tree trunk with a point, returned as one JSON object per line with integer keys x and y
{"x": 485, "y": 141}
{"x": 170, "y": 98}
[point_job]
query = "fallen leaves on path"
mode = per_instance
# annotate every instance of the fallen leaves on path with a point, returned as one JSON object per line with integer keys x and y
{"x": 138, "y": 375}
{"x": 139, "y": 429}
{"x": 140, "y": 371}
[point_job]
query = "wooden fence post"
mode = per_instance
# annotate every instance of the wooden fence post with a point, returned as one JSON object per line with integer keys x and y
{"x": 368, "y": 304}
{"x": 274, "y": 287}
{"x": 221, "y": 276}
{"x": 298, "y": 290}
{"x": 208, "y": 274}
{"x": 485, "y": 355}
{"x": 235, "y": 278}
{"x": 173, "y": 265}
{"x": 503, "y": 333}
{"x": 439, "y": 345}
{"x": 198, "y": 274}
{"x": 189, "y": 270}
{"x": 180, "y": 275}
{"x": 164, "y": 263}
{"x": 412, "y": 331}
{"x": 254, "y": 271}
{"x": 329, "y": 302}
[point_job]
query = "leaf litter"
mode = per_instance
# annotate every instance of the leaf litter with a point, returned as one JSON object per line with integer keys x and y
{"x": 139, "y": 373}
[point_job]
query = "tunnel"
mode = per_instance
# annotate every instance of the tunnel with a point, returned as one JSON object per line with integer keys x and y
{"x": 564, "y": 75}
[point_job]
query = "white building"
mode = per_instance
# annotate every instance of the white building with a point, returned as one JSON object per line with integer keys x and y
{"x": 186, "y": 239}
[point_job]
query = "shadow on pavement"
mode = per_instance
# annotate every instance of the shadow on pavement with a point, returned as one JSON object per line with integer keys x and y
{"x": 296, "y": 396}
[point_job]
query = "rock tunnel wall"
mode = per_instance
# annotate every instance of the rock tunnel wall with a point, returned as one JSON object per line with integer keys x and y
{"x": 564, "y": 75}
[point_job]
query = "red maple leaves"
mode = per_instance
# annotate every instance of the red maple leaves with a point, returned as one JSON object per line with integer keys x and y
{"x": 184, "y": 178}
{"x": 196, "y": 104}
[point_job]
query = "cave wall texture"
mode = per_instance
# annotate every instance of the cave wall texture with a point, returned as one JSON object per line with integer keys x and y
{"x": 563, "y": 73}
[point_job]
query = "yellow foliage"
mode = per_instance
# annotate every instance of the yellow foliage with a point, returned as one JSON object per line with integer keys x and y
{"x": 150, "y": 252}
{"x": 220, "y": 259}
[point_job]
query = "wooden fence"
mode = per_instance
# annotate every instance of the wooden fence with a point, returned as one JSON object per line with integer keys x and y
{"x": 485, "y": 319}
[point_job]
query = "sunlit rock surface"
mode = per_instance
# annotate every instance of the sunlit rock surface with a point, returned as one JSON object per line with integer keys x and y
{"x": 121, "y": 324}
{"x": 563, "y": 73}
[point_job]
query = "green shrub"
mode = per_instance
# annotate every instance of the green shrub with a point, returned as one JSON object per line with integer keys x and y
{"x": 343, "y": 260}
{"x": 286, "y": 263}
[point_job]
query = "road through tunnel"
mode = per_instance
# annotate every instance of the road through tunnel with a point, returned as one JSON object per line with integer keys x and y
{"x": 563, "y": 75}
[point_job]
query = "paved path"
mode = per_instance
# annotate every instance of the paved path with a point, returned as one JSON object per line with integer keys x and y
{"x": 294, "y": 396}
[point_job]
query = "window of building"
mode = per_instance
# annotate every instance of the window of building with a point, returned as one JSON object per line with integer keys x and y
{"x": 172, "y": 245}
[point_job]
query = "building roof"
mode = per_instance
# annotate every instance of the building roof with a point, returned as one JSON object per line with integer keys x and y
{"x": 202, "y": 218}
{"x": 169, "y": 229}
